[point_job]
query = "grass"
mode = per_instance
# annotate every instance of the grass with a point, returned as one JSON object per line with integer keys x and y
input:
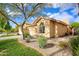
{"x": 12, "y": 47}
{"x": 74, "y": 45}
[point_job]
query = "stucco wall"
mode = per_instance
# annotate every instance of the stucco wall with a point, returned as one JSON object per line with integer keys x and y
{"x": 47, "y": 27}
{"x": 34, "y": 30}
{"x": 57, "y": 29}
{"x": 60, "y": 29}
{"x": 52, "y": 29}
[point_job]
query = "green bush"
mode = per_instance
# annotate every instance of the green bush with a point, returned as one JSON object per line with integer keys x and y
{"x": 77, "y": 30}
{"x": 26, "y": 34}
{"x": 28, "y": 38}
{"x": 74, "y": 45}
{"x": 2, "y": 30}
{"x": 42, "y": 41}
{"x": 63, "y": 44}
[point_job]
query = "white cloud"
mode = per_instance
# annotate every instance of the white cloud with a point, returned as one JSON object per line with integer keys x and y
{"x": 54, "y": 15}
{"x": 8, "y": 10}
{"x": 14, "y": 13}
{"x": 74, "y": 11}
{"x": 63, "y": 6}
{"x": 44, "y": 13}
{"x": 66, "y": 6}
{"x": 77, "y": 19}
{"x": 48, "y": 14}
{"x": 59, "y": 16}
{"x": 62, "y": 17}
{"x": 66, "y": 15}
{"x": 56, "y": 5}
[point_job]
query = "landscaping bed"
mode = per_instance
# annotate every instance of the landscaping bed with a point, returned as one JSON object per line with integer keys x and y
{"x": 13, "y": 48}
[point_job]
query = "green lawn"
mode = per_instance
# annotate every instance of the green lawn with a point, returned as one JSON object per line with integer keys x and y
{"x": 12, "y": 47}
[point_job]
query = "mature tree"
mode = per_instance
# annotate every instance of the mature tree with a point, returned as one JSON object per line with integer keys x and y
{"x": 10, "y": 11}
{"x": 7, "y": 27}
{"x": 75, "y": 24}
{"x": 2, "y": 23}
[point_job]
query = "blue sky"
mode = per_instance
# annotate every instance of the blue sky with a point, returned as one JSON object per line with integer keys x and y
{"x": 65, "y": 12}
{"x": 59, "y": 12}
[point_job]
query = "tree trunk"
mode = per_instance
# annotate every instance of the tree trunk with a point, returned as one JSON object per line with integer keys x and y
{"x": 21, "y": 32}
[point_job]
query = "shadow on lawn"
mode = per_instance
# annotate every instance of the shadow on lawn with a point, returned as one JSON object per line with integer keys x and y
{"x": 1, "y": 49}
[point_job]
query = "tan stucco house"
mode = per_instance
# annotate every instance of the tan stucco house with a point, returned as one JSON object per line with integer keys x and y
{"x": 47, "y": 27}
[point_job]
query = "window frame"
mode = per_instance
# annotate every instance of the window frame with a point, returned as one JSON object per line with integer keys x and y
{"x": 41, "y": 28}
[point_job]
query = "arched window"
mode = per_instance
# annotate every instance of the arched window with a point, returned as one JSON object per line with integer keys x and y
{"x": 41, "y": 28}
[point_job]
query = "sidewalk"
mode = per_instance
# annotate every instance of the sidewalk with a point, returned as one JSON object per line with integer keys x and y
{"x": 11, "y": 37}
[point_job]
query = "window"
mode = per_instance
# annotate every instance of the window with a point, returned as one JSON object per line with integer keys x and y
{"x": 41, "y": 28}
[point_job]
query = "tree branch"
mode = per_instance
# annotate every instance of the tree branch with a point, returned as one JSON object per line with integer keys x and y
{"x": 22, "y": 6}
{"x": 31, "y": 12}
{"x": 1, "y": 12}
{"x": 24, "y": 13}
{"x": 22, "y": 10}
{"x": 18, "y": 7}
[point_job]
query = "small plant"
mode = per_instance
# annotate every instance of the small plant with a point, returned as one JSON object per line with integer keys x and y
{"x": 63, "y": 44}
{"x": 28, "y": 39}
{"x": 77, "y": 31}
{"x": 74, "y": 45}
{"x": 26, "y": 34}
{"x": 42, "y": 41}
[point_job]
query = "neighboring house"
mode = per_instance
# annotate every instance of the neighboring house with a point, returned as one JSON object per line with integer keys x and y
{"x": 48, "y": 27}
{"x": 25, "y": 28}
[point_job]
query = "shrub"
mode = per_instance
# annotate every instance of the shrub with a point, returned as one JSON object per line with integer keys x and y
{"x": 42, "y": 41}
{"x": 74, "y": 45}
{"x": 63, "y": 44}
{"x": 28, "y": 38}
{"x": 2, "y": 30}
{"x": 26, "y": 34}
{"x": 77, "y": 31}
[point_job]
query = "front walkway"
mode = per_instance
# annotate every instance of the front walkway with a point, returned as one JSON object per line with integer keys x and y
{"x": 52, "y": 49}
